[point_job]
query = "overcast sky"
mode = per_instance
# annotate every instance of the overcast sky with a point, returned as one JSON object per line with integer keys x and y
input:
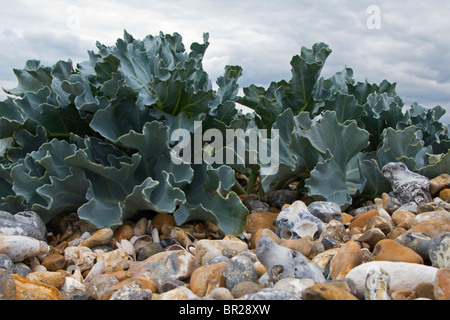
{"x": 407, "y": 42}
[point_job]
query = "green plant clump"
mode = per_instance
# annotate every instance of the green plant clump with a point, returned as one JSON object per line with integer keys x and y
{"x": 96, "y": 139}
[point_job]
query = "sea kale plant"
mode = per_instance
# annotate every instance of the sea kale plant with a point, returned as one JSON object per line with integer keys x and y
{"x": 97, "y": 138}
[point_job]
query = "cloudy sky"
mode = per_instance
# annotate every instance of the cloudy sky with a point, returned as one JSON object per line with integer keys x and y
{"x": 407, "y": 42}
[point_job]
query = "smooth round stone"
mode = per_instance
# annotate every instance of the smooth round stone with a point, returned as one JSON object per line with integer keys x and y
{"x": 438, "y": 183}
{"x": 391, "y": 250}
{"x": 99, "y": 238}
{"x": 7, "y": 285}
{"x": 442, "y": 285}
{"x": 410, "y": 206}
{"x": 220, "y": 294}
{"x": 149, "y": 250}
{"x": 325, "y": 210}
{"x": 403, "y": 275}
{"x": 218, "y": 259}
{"x": 5, "y": 262}
{"x": 294, "y": 285}
{"x": 326, "y": 291}
{"x": 26, "y": 223}
{"x": 419, "y": 242}
{"x": 245, "y": 287}
{"x": 361, "y": 210}
{"x": 167, "y": 242}
{"x": 270, "y": 294}
{"x": 237, "y": 270}
{"x": 18, "y": 247}
{"x": 439, "y": 251}
{"x": 206, "y": 278}
{"x": 131, "y": 291}
{"x": 54, "y": 262}
{"x": 100, "y": 285}
{"x": 21, "y": 269}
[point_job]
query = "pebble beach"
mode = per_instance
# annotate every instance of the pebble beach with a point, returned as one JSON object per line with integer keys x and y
{"x": 396, "y": 247}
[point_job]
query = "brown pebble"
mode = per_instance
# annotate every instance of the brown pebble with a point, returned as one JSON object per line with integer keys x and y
{"x": 442, "y": 285}
{"x": 425, "y": 290}
{"x": 161, "y": 219}
{"x": 54, "y": 262}
{"x": 326, "y": 291}
{"x": 403, "y": 294}
{"x": 125, "y": 231}
{"x": 444, "y": 194}
{"x": 361, "y": 219}
{"x": 260, "y": 220}
{"x": 391, "y": 250}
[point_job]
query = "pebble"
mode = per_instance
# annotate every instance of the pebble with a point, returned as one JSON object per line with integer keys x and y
{"x": 5, "y": 262}
{"x": 294, "y": 285}
{"x": 18, "y": 248}
{"x": 281, "y": 262}
{"x": 176, "y": 264}
{"x": 82, "y": 257}
{"x": 148, "y": 250}
{"x": 56, "y": 279}
{"x": 326, "y": 254}
{"x": 163, "y": 219}
{"x": 402, "y": 217}
{"x": 425, "y": 290}
{"x": 207, "y": 278}
{"x": 54, "y": 262}
{"x": 131, "y": 291}
{"x": 270, "y": 294}
{"x": 245, "y": 287}
{"x": 419, "y": 242}
{"x": 377, "y": 284}
{"x": 438, "y": 183}
{"x": 348, "y": 257}
{"x": 326, "y": 291}
{"x": 442, "y": 285}
{"x": 403, "y": 275}
{"x": 432, "y": 227}
{"x": 444, "y": 194}
{"x": 239, "y": 269}
{"x": 296, "y": 221}
{"x": 101, "y": 285}
{"x": 325, "y": 211}
{"x": 206, "y": 250}
{"x": 27, "y": 223}
{"x": 124, "y": 231}
{"x": 73, "y": 287}
{"x": 220, "y": 293}
{"x": 407, "y": 186}
{"x": 391, "y": 250}
{"x": 179, "y": 293}
{"x": 260, "y": 220}
{"x": 140, "y": 228}
{"x": 99, "y": 238}
{"x": 439, "y": 250}
{"x": 34, "y": 290}
{"x": 361, "y": 219}
{"x": 371, "y": 237}
{"x": 7, "y": 285}
{"x": 21, "y": 269}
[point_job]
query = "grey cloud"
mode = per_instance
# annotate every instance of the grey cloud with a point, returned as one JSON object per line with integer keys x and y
{"x": 411, "y": 48}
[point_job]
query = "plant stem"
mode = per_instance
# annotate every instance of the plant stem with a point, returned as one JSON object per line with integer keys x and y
{"x": 238, "y": 188}
{"x": 252, "y": 181}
